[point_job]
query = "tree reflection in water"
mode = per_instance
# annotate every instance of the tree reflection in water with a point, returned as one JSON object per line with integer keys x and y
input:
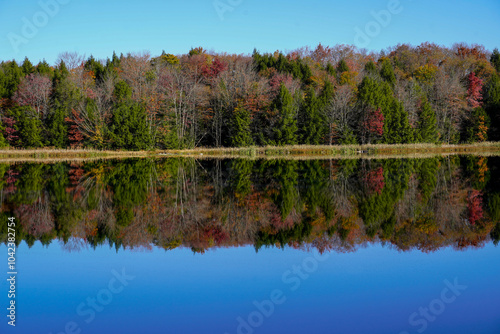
{"x": 331, "y": 205}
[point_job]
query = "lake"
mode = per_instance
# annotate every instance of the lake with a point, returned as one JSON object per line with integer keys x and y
{"x": 184, "y": 245}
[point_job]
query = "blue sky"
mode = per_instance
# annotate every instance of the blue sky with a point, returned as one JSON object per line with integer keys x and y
{"x": 101, "y": 27}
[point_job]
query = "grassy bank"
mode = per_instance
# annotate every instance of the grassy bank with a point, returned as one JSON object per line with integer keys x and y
{"x": 488, "y": 148}
{"x": 299, "y": 151}
{"x": 47, "y": 153}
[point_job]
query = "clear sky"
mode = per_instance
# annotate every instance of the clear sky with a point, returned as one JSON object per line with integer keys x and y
{"x": 29, "y": 28}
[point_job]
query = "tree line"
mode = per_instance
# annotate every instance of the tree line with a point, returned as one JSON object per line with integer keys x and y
{"x": 326, "y": 95}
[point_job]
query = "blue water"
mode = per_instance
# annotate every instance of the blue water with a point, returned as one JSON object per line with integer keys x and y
{"x": 373, "y": 290}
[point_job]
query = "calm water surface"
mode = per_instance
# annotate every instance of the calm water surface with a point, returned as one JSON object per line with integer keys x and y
{"x": 254, "y": 246}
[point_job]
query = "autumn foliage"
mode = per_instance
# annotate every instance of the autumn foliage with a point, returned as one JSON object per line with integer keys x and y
{"x": 374, "y": 122}
{"x": 334, "y": 95}
{"x": 474, "y": 94}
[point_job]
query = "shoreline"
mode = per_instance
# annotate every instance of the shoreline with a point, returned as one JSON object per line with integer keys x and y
{"x": 370, "y": 151}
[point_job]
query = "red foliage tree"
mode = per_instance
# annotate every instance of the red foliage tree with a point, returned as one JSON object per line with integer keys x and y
{"x": 476, "y": 51}
{"x": 374, "y": 180}
{"x": 9, "y": 131}
{"x": 75, "y": 136}
{"x": 475, "y": 206}
{"x": 277, "y": 79}
{"x": 373, "y": 124}
{"x": 474, "y": 88}
{"x": 210, "y": 71}
{"x": 11, "y": 179}
{"x": 216, "y": 234}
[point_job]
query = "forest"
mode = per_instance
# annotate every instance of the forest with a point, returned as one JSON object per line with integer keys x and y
{"x": 326, "y": 95}
{"x": 329, "y": 205}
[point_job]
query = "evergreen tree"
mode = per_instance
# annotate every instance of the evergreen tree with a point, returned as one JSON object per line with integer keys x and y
{"x": 3, "y": 141}
{"x": 122, "y": 91}
{"x": 327, "y": 94}
{"x": 27, "y": 67}
{"x": 57, "y": 128}
{"x": 426, "y": 128}
{"x": 96, "y": 67}
{"x": 112, "y": 65}
{"x": 286, "y": 131}
{"x": 331, "y": 70}
{"x": 44, "y": 68}
{"x": 128, "y": 127}
{"x": 477, "y": 126}
{"x": 371, "y": 68}
{"x": 61, "y": 71}
{"x": 3, "y": 84}
{"x": 12, "y": 75}
{"x": 64, "y": 98}
{"x": 312, "y": 127}
{"x": 374, "y": 94}
{"x": 492, "y": 106}
{"x": 387, "y": 72}
{"x": 241, "y": 134}
{"x": 306, "y": 74}
{"x": 397, "y": 128}
{"x": 28, "y": 126}
{"x": 495, "y": 60}
{"x": 342, "y": 67}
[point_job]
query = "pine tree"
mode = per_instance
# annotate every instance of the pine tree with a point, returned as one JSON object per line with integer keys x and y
{"x": 331, "y": 70}
{"x": 3, "y": 84}
{"x": 128, "y": 127}
{"x": 122, "y": 91}
{"x": 397, "y": 129}
{"x": 327, "y": 94}
{"x": 371, "y": 68}
{"x": 286, "y": 131}
{"x": 492, "y": 106}
{"x": 374, "y": 94}
{"x": 342, "y": 67}
{"x": 64, "y": 98}
{"x": 3, "y": 141}
{"x": 407, "y": 132}
{"x": 495, "y": 60}
{"x": 44, "y": 68}
{"x": 387, "y": 72}
{"x": 27, "y": 67}
{"x": 58, "y": 128}
{"x": 12, "y": 75}
{"x": 241, "y": 134}
{"x": 312, "y": 123}
{"x": 95, "y": 67}
{"x": 28, "y": 126}
{"x": 426, "y": 128}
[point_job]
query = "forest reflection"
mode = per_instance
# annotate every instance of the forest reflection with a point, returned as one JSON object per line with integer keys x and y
{"x": 330, "y": 205}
